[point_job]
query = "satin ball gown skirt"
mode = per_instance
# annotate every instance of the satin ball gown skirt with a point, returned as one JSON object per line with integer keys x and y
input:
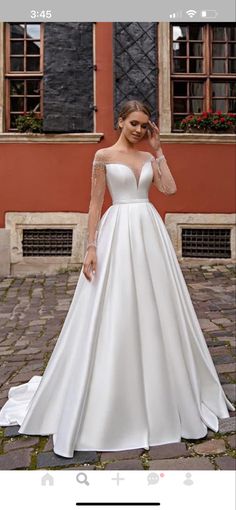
{"x": 131, "y": 367}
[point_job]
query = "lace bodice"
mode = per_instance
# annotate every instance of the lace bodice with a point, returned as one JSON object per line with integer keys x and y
{"x": 126, "y": 175}
{"x": 135, "y": 163}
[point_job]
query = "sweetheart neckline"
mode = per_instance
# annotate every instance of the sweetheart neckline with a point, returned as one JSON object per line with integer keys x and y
{"x": 129, "y": 167}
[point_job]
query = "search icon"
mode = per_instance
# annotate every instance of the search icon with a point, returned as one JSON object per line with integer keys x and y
{"x": 82, "y": 478}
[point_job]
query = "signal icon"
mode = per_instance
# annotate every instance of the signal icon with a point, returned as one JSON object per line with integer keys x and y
{"x": 191, "y": 13}
{"x": 176, "y": 15}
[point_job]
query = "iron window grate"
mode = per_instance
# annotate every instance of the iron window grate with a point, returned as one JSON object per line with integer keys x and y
{"x": 135, "y": 64}
{"x": 47, "y": 242}
{"x": 206, "y": 242}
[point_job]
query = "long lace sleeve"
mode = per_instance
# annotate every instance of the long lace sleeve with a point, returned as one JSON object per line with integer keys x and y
{"x": 162, "y": 177}
{"x": 98, "y": 186}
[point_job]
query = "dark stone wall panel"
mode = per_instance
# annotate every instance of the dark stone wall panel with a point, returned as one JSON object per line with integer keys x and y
{"x": 68, "y": 77}
{"x": 135, "y": 65}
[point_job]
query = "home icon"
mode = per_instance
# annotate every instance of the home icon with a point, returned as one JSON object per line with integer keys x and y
{"x": 47, "y": 480}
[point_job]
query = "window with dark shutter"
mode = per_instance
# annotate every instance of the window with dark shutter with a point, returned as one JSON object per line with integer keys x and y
{"x": 68, "y": 77}
{"x": 49, "y": 71}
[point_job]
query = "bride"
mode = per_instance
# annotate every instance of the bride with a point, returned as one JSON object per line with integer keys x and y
{"x": 131, "y": 367}
{"x": 135, "y": 124}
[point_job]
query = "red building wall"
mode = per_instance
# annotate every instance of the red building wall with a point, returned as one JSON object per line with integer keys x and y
{"x": 57, "y": 177}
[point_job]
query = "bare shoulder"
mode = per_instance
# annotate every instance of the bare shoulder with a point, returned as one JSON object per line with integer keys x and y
{"x": 100, "y": 153}
{"x": 104, "y": 153}
{"x": 147, "y": 154}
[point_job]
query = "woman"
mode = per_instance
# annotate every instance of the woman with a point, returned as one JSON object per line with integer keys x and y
{"x": 131, "y": 367}
{"x": 135, "y": 124}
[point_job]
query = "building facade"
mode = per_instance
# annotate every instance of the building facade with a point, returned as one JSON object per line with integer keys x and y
{"x": 72, "y": 78}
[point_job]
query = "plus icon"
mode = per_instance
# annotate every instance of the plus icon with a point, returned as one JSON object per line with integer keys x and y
{"x": 118, "y": 478}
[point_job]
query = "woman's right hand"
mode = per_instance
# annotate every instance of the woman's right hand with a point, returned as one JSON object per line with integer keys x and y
{"x": 90, "y": 262}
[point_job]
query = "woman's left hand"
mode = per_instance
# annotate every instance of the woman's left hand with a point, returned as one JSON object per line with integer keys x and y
{"x": 154, "y": 136}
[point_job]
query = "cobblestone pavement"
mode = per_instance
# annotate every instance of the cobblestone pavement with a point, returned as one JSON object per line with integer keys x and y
{"x": 32, "y": 311}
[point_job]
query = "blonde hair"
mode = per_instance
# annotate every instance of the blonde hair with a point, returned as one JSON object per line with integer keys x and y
{"x": 131, "y": 106}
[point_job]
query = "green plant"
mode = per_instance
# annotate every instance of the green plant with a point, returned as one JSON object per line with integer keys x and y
{"x": 209, "y": 121}
{"x": 29, "y": 123}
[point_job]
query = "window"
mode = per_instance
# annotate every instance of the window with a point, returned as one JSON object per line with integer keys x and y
{"x": 203, "y": 69}
{"x": 24, "y": 71}
{"x": 135, "y": 63}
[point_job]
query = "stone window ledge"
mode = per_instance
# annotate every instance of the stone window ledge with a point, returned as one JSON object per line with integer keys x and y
{"x": 175, "y": 222}
{"x": 50, "y": 138}
{"x": 200, "y": 138}
{"x": 193, "y": 138}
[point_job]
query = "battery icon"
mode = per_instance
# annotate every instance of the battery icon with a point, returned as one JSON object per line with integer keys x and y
{"x": 209, "y": 14}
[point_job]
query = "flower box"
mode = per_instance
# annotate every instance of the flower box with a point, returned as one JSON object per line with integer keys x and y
{"x": 209, "y": 122}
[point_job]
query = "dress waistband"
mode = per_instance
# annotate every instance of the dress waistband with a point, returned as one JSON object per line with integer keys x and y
{"x": 131, "y": 201}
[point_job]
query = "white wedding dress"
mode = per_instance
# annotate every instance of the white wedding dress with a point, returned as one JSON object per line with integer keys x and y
{"x": 131, "y": 367}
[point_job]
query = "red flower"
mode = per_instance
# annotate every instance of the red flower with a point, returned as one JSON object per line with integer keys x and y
{"x": 219, "y": 112}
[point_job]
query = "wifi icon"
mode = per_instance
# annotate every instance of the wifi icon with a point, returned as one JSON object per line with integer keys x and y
{"x": 191, "y": 13}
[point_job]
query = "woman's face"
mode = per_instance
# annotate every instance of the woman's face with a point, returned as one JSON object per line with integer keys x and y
{"x": 135, "y": 126}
